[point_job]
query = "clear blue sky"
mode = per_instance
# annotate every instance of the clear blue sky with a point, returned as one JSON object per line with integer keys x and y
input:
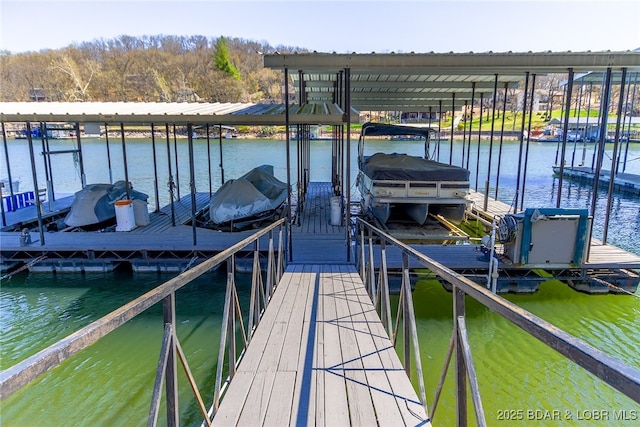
{"x": 341, "y": 26}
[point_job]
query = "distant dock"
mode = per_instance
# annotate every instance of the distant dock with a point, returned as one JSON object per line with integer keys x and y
{"x": 623, "y": 182}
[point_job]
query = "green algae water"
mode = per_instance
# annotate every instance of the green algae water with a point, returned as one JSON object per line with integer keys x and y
{"x": 109, "y": 383}
{"x": 522, "y": 382}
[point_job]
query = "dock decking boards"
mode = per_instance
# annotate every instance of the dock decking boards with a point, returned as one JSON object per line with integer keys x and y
{"x": 320, "y": 356}
{"x": 315, "y": 240}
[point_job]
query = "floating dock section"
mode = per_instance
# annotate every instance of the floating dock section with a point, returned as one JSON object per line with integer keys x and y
{"x": 623, "y": 182}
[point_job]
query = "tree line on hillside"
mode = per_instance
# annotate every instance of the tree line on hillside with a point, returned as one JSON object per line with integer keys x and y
{"x": 164, "y": 68}
{"x": 158, "y": 68}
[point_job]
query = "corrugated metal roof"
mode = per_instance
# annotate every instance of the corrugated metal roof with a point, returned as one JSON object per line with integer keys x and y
{"x": 174, "y": 113}
{"x": 417, "y": 81}
{"x": 379, "y": 82}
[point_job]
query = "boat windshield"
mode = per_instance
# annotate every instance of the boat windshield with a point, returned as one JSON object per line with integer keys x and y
{"x": 398, "y": 132}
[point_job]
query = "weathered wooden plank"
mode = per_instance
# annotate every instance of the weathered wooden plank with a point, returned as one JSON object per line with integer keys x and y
{"x": 335, "y": 392}
{"x": 234, "y": 400}
{"x": 303, "y": 410}
{"x": 319, "y": 365}
{"x": 259, "y": 341}
{"x": 380, "y": 388}
{"x": 258, "y": 399}
{"x": 359, "y": 397}
{"x": 293, "y": 345}
{"x": 401, "y": 389}
{"x": 279, "y": 410}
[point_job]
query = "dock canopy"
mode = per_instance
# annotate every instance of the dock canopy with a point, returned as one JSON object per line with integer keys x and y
{"x": 174, "y": 112}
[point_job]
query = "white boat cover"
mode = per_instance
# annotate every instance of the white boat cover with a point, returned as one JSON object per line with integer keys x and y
{"x": 253, "y": 194}
{"x": 410, "y": 168}
{"x": 95, "y": 203}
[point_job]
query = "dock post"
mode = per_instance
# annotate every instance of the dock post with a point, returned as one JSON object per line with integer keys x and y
{"x": 473, "y": 100}
{"x": 155, "y": 167}
{"x": 171, "y": 373}
{"x": 524, "y": 109}
{"x": 461, "y": 379}
{"x": 453, "y": 110}
{"x": 565, "y": 129}
{"x": 614, "y": 156}
{"x": 106, "y": 138}
{"x": 347, "y": 190}
{"x": 124, "y": 160}
{"x": 479, "y": 138}
{"x": 220, "y": 145}
{"x": 526, "y": 151}
{"x": 288, "y": 139}
{"x": 170, "y": 183}
{"x": 192, "y": 182}
{"x": 34, "y": 175}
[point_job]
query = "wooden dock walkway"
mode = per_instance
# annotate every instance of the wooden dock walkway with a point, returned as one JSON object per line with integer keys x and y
{"x": 315, "y": 240}
{"x": 320, "y": 356}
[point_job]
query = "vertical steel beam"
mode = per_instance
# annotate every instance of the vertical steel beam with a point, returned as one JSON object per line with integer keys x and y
{"x": 170, "y": 184}
{"x": 406, "y": 330}
{"x": 106, "y": 137}
{"x": 171, "y": 374}
{"x": 6, "y": 159}
{"x": 473, "y": 96}
{"x": 493, "y": 121}
{"x": 175, "y": 151}
{"x": 453, "y": 110}
{"x": 347, "y": 184}
{"x": 614, "y": 157}
{"x": 578, "y": 109}
{"x": 83, "y": 177}
{"x": 586, "y": 126}
{"x": 288, "y": 140}
{"x": 8, "y": 163}
{"x": 155, "y": 168}
{"x": 124, "y": 161}
{"x": 220, "y": 145}
{"x": 439, "y": 130}
{"x": 596, "y": 146}
{"x": 479, "y": 138}
{"x": 464, "y": 132}
{"x": 209, "y": 172}
{"x": 633, "y": 100}
{"x": 461, "y": 370}
{"x": 46, "y": 158}
{"x": 565, "y": 130}
{"x": 526, "y": 151}
{"x": 34, "y": 176}
{"x": 192, "y": 181}
{"x": 562, "y": 117}
{"x": 504, "y": 115}
{"x": 524, "y": 114}
{"x": 604, "y": 108}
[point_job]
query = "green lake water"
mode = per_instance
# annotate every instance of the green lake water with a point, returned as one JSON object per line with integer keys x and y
{"x": 522, "y": 381}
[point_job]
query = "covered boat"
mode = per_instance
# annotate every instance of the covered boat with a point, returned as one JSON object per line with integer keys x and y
{"x": 253, "y": 197}
{"x": 415, "y": 185}
{"x": 94, "y": 206}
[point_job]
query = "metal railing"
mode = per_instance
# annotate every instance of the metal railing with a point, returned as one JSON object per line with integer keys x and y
{"x": 23, "y": 373}
{"x": 624, "y": 378}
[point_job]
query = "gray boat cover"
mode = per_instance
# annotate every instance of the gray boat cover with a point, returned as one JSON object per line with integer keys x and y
{"x": 411, "y": 168}
{"x": 95, "y": 203}
{"x": 255, "y": 193}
